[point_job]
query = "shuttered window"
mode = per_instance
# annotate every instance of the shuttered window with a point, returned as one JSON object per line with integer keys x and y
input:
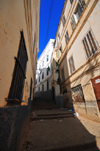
{"x": 71, "y": 64}
{"x": 89, "y": 44}
{"x": 16, "y": 89}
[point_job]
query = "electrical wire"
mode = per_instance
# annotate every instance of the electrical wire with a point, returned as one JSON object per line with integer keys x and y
{"x": 49, "y": 21}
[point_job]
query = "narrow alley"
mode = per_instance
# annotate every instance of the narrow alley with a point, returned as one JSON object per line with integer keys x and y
{"x": 54, "y": 129}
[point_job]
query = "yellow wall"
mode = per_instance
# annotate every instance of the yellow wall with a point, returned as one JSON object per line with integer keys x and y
{"x": 12, "y": 21}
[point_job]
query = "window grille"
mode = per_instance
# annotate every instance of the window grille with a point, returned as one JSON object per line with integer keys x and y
{"x": 16, "y": 89}
{"x": 71, "y": 64}
{"x": 77, "y": 94}
{"x": 62, "y": 74}
{"x": 63, "y": 20}
{"x": 66, "y": 37}
{"x": 89, "y": 44}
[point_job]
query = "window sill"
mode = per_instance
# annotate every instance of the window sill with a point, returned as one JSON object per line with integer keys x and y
{"x": 13, "y": 101}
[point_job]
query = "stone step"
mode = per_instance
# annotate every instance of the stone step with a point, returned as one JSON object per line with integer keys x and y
{"x": 50, "y": 117}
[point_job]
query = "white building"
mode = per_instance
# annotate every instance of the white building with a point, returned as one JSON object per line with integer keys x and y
{"x": 43, "y": 86}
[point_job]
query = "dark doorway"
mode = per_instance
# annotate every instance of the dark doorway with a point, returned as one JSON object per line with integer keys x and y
{"x": 53, "y": 93}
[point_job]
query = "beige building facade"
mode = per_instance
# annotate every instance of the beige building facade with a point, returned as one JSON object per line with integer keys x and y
{"x": 19, "y": 40}
{"x": 78, "y": 49}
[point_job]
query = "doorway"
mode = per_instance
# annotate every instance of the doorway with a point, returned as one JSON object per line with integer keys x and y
{"x": 96, "y": 86}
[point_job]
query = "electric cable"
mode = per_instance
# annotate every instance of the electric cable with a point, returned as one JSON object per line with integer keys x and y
{"x": 49, "y": 21}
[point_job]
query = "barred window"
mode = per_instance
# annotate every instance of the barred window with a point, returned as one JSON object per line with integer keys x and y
{"x": 66, "y": 37}
{"x": 62, "y": 74}
{"x": 16, "y": 89}
{"x": 71, "y": 64}
{"x": 77, "y": 94}
{"x": 63, "y": 20}
{"x": 89, "y": 44}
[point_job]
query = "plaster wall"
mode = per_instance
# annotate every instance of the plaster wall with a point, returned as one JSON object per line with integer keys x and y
{"x": 12, "y": 21}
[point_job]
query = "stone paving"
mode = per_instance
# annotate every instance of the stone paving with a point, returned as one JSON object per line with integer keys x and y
{"x": 92, "y": 127}
{"x": 58, "y": 135}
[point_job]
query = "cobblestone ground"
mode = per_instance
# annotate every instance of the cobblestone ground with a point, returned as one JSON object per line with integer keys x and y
{"x": 67, "y": 134}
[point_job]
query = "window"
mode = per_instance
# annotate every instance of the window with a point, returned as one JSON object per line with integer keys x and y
{"x": 47, "y": 71}
{"x": 34, "y": 42}
{"x": 47, "y": 85}
{"x": 43, "y": 87}
{"x": 42, "y": 63}
{"x": 66, "y": 37}
{"x": 78, "y": 12}
{"x": 47, "y": 58}
{"x": 31, "y": 88}
{"x": 71, "y": 64}
{"x": 71, "y": 1}
{"x": 43, "y": 75}
{"x": 63, "y": 20}
{"x": 61, "y": 48}
{"x": 36, "y": 81}
{"x": 16, "y": 89}
{"x": 39, "y": 78}
{"x": 79, "y": 9}
{"x": 39, "y": 89}
{"x": 73, "y": 23}
{"x": 82, "y": 3}
{"x": 59, "y": 35}
{"x": 90, "y": 45}
{"x": 39, "y": 67}
{"x": 77, "y": 94}
{"x": 62, "y": 74}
